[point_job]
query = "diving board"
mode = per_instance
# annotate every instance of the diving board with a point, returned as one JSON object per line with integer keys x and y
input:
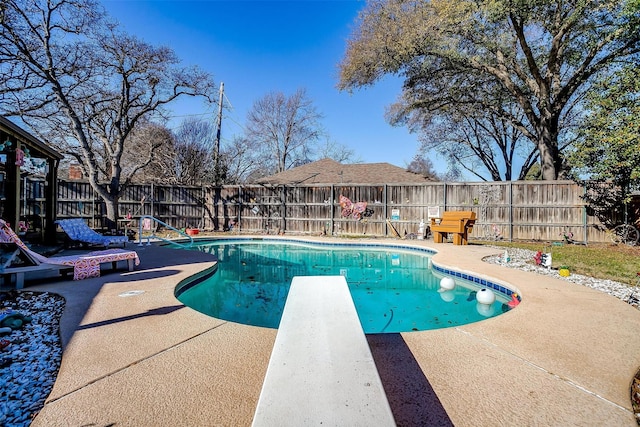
{"x": 321, "y": 371}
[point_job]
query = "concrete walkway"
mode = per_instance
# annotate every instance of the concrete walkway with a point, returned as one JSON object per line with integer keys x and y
{"x": 135, "y": 356}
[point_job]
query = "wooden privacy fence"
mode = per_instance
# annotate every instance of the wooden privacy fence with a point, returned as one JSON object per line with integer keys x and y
{"x": 517, "y": 210}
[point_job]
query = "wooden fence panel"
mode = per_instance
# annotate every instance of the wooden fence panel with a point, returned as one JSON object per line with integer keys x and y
{"x": 359, "y": 193}
{"x": 308, "y": 209}
{"x": 34, "y": 190}
{"x": 136, "y": 200}
{"x": 179, "y": 207}
{"x": 77, "y": 199}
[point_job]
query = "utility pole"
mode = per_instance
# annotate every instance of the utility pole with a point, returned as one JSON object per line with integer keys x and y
{"x": 217, "y": 148}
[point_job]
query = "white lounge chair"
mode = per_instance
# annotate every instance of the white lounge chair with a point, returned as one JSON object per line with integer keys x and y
{"x": 84, "y": 265}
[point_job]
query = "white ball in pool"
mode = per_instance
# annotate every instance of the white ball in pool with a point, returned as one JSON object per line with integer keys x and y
{"x": 485, "y": 310}
{"x": 485, "y": 296}
{"x": 447, "y": 283}
{"x": 447, "y": 295}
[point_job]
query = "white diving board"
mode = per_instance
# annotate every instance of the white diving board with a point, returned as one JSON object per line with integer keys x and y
{"x": 321, "y": 370}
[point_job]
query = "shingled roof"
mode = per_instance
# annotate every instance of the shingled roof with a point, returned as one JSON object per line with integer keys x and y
{"x": 328, "y": 171}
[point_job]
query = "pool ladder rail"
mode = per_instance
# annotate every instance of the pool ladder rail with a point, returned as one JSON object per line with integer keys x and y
{"x": 149, "y": 226}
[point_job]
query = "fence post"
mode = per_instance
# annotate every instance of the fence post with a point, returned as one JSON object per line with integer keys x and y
{"x": 93, "y": 207}
{"x": 153, "y": 196}
{"x": 332, "y": 223}
{"x": 283, "y": 208}
{"x": 240, "y": 198}
{"x": 585, "y": 218}
{"x": 444, "y": 196}
{"x": 511, "y": 211}
{"x": 385, "y": 209}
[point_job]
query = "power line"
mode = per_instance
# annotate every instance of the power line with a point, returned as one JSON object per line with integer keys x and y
{"x": 190, "y": 115}
{"x": 229, "y": 117}
{"x": 227, "y": 98}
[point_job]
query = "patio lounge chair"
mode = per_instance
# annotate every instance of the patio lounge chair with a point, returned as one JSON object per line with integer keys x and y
{"x": 78, "y": 231}
{"x": 84, "y": 265}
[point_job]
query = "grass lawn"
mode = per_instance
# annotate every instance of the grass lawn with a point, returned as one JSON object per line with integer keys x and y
{"x": 600, "y": 260}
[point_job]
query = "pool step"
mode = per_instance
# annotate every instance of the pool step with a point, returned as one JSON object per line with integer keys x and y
{"x": 321, "y": 370}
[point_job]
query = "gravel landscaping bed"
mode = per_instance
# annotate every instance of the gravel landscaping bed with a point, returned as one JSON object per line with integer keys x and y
{"x": 522, "y": 259}
{"x": 30, "y": 355}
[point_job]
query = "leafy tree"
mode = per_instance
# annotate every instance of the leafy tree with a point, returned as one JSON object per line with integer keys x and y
{"x": 533, "y": 174}
{"x": 284, "y": 130}
{"x": 482, "y": 145}
{"x": 523, "y": 62}
{"x": 84, "y": 86}
{"x": 607, "y": 155}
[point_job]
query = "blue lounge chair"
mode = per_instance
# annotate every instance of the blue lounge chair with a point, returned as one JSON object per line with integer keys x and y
{"x": 78, "y": 231}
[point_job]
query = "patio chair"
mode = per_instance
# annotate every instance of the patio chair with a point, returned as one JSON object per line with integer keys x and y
{"x": 78, "y": 231}
{"x": 84, "y": 265}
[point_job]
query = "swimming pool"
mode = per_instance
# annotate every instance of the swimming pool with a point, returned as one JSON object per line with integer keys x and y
{"x": 394, "y": 288}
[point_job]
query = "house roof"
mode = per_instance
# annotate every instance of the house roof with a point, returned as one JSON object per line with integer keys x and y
{"x": 328, "y": 171}
{"x": 37, "y": 147}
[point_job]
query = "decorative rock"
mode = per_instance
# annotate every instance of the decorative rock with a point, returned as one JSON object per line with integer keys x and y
{"x": 30, "y": 368}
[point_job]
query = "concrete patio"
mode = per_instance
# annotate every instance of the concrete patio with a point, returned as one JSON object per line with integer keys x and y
{"x": 565, "y": 356}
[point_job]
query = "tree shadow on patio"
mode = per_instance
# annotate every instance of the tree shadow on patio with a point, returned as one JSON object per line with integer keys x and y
{"x": 153, "y": 312}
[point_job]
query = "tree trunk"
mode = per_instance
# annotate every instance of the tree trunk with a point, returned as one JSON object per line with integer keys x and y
{"x": 547, "y": 165}
{"x": 111, "y": 221}
{"x": 550, "y": 161}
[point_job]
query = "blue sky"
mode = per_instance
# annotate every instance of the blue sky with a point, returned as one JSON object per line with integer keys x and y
{"x": 258, "y": 47}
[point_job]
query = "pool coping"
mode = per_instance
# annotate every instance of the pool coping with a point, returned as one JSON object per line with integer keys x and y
{"x": 566, "y": 355}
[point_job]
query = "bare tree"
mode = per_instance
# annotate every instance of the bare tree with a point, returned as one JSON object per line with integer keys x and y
{"x": 184, "y": 157}
{"x": 284, "y": 129}
{"x": 338, "y": 152}
{"x": 194, "y": 150}
{"x": 84, "y": 86}
{"x": 243, "y": 161}
{"x": 422, "y": 165}
{"x": 144, "y": 138}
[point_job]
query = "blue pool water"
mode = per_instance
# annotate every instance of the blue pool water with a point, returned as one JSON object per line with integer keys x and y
{"x": 393, "y": 288}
